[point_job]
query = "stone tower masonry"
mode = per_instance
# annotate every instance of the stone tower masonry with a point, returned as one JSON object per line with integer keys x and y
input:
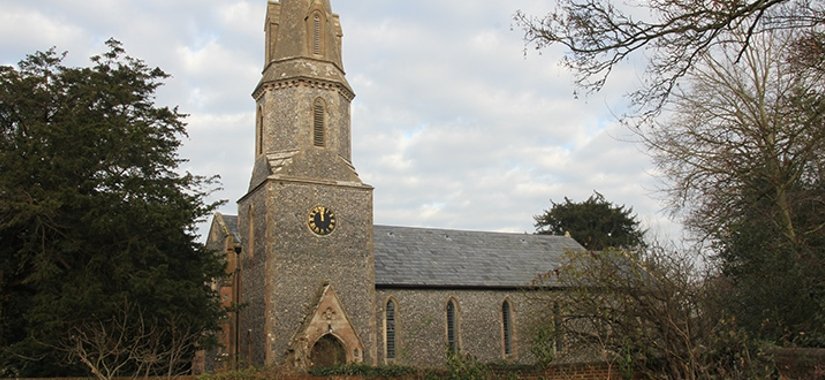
{"x": 307, "y": 278}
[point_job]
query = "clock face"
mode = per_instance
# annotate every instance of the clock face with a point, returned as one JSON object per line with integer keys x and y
{"x": 321, "y": 220}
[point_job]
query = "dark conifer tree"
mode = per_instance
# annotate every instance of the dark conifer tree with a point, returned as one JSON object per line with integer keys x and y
{"x": 595, "y": 223}
{"x": 96, "y": 218}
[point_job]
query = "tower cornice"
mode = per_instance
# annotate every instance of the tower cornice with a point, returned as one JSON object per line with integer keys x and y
{"x": 301, "y": 58}
{"x": 304, "y": 81}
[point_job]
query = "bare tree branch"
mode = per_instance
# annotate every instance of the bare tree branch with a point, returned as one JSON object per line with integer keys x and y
{"x": 131, "y": 344}
{"x": 648, "y": 314}
{"x": 597, "y": 36}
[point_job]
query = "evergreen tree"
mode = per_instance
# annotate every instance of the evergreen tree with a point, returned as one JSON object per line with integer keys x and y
{"x": 595, "y": 223}
{"x": 95, "y": 220}
{"x": 777, "y": 292}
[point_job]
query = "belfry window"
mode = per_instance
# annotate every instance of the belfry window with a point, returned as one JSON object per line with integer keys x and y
{"x": 318, "y": 123}
{"x": 452, "y": 327}
{"x": 316, "y": 33}
{"x": 389, "y": 329}
{"x": 507, "y": 328}
{"x": 259, "y": 133}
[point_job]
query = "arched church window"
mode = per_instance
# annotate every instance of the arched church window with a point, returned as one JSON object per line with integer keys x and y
{"x": 452, "y": 327}
{"x": 250, "y": 237}
{"x": 389, "y": 329}
{"x": 557, "y": 328}
{"x": 507, "y": 328}
{"x": 259, "y": 133}
{"x": 316, "y": 33}
{"x": 318, "y": 124}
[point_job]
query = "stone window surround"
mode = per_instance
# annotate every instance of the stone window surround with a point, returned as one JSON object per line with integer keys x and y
{"x": 319, "y": 124}
{"x": 250, "y": 245}
{"x": 316, "y": 24}
{"x": 259, "y": 131}
{"x": 507, "y": 330}
{"x": 394, "y": 301}
{"x": 456, "y": 325}
{"x": 558, "y": 344}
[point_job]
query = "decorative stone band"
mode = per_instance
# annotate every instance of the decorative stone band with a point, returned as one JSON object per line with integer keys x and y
{"x": 304, "y": 82}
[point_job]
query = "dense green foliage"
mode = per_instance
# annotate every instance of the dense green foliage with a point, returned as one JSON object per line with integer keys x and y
{"x": 459, "y": 367}
{"x": 777, "y": 290}
{"x": 595, "y": 223}
{"x": 95, "y": 220}
{"x": 363, "y": 370}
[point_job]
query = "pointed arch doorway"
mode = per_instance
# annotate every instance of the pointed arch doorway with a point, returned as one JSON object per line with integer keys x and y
{"x": 327, "y": 352}
{"x": 328, "y": 339}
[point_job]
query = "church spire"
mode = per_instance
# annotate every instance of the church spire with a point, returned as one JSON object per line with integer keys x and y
{"x": 300, "y": 30}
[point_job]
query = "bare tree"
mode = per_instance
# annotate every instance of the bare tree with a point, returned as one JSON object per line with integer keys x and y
{"x": 107, "y": 348}
{"x": 743, "y": 149}
{"x": 130, "y": 344}
{"x": 746, "y": 123}
{"x": 673, "y": 35}
{"x": 647, "y": 313}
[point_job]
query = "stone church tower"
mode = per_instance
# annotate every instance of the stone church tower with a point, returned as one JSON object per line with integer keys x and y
{"x": 307, "y": 282}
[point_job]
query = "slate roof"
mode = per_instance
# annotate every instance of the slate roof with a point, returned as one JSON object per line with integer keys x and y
{"x": 427, "y": 258}
{"x": 222, "y": 226}
{"x": 231, "y": 222}
{"x": 407, "y": 257}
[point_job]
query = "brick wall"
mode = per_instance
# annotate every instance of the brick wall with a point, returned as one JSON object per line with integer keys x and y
{"x": 562, "y": 372}
{"x": 587, "y": 371}
{"x": 800, "y": 363}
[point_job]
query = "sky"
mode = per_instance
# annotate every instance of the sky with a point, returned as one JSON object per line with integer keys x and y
{"x": 455, "y": 123}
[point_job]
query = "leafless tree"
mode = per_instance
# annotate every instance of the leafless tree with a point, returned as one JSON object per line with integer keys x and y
{"x": 646, "y": 313}
{"x": 743, "y": 150}
{"x": 747, "y": 122}
{"x": 130, "y": 344}
{"x": 672, "y": 34}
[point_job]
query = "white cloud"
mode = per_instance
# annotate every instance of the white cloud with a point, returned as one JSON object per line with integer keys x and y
{"x": 453, "y": 124}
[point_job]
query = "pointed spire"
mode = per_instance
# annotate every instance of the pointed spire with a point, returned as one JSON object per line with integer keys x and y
{"x": 300, "y": 31}
{"x": 303, "y": 29}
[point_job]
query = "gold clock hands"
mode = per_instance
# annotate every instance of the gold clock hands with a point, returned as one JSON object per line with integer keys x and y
{"x": 321, "y": 220}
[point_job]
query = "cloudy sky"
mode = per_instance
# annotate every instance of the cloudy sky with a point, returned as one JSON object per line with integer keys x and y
{"x": 454, "y": 125}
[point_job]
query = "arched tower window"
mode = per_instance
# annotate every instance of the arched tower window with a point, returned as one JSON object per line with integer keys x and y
{"x": 507, "y": 328}
{"x": 259, "y": 132}
{"x": 452, "y": 326}
{"x": 316, "y": 33}
{"x": 250, "y": 236}
{"x": 389, "y": 329}
{"x": 318, "y": 123}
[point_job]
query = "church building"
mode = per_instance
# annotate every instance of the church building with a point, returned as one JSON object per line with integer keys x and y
{"x": 313, "y": 281}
